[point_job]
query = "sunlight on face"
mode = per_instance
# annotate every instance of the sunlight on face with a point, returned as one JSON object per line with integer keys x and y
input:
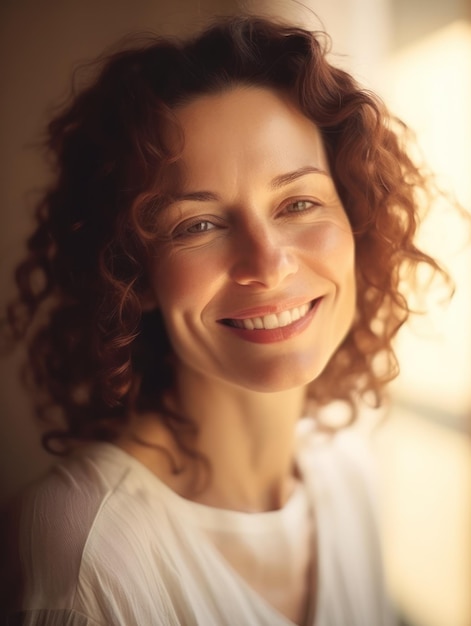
{"x": 254, "y": 270}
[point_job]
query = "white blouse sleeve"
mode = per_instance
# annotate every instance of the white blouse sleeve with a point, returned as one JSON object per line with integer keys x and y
{"x": 56, "y": 517}
{"x": 351, "y": 586}
{"x": 83, "y": 556}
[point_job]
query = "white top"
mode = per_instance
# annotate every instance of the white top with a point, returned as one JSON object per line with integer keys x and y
{"x": 271, "y": 551}
{"x": 104, "y": 542}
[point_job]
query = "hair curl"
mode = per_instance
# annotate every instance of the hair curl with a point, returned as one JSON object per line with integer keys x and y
{"x": 93, "y": 353}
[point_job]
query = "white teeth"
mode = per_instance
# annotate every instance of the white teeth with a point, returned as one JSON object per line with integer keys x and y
{"x": 284, "y": 318}
{"x": 258, "y": 323}
{"x": 273, "y": 320}
{"x": 270, "y": 321}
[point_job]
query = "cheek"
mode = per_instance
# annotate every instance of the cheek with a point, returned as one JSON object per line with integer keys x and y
{"x": 180, "y": 281}
{"x": 331, "y": 248}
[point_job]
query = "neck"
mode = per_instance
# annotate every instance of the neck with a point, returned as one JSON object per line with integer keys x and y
{"x": 248, "y": 439}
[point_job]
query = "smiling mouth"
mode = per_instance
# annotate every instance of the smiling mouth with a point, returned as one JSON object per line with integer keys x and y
{"x": 273, "y": 320}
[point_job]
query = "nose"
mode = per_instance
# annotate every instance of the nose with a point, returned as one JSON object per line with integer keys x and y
{"x": 262, "y": 257}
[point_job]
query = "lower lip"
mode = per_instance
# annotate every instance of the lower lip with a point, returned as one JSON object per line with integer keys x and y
{"x": 274, "y": 335}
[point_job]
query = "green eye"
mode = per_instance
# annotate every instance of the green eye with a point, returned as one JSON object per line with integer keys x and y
{"x": 300, "y": 205}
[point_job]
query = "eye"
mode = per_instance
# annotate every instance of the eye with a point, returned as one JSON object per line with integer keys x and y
{"x": 197, "y": 226}
{"x": 200, "y": 227}
{"x": 299, "y": 206}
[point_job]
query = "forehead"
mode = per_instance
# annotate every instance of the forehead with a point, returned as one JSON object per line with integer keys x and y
{"x": 246, "y": 132}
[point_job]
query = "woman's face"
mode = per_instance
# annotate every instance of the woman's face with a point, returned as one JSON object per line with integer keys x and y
{"x": 254, "y": 270}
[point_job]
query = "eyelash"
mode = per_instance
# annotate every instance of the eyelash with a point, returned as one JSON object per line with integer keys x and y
{"x": 184, "y": 230}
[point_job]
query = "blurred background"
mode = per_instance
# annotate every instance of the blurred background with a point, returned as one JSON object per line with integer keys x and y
{"x": 417, "y": 55}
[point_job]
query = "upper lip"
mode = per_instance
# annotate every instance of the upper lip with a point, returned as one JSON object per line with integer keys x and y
{"x": 267, "y": 309}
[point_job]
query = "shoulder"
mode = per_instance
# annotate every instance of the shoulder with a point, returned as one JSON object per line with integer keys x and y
{"x": 60, "y": 508}
{"x": 56, "y": 519}
{"x": 341, "y": 460}
{"x": 341, "y": 476}
{"x": 97, "y": 535}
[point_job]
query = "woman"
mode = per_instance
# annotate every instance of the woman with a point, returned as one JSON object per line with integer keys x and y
{"x": 220, "y": 255}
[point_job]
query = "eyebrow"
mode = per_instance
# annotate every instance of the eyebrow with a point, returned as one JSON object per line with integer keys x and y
{"x": 276, "y": 183}
{"x": 285, "y": 179}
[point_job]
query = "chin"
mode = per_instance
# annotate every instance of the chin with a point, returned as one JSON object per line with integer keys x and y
{"x": 278, "y": 379}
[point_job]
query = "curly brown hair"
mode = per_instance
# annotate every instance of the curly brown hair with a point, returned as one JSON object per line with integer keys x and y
{"x": 94, "y": 354}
